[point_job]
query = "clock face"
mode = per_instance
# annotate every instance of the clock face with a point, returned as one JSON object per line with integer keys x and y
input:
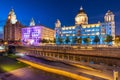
{"x": 8, "y": 17}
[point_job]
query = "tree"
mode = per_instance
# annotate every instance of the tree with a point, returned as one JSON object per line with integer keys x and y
{"x": 74, "y": 40}
{"x": 54, "y": 41}
{"x": 60, "y": 40}
{"x": 49, "y": 41}
{"x": 67, "y": 40}
{"x": 96, "y": 39}
{"x": 44, "y": 41}
{"x": 86, "y": 40}
{"x": 108, "y": 39}
{"x": 117, "y": 40}
{"x": 79, "y": 40}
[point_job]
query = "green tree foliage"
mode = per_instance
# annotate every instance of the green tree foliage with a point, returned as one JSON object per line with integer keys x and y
{"x": 117, "y": 40}
{"x": 108, "y": 39}
{"x": 96, "y": 39}
{"x": 60, "y": 40}
{"x": 79, "y": 40}
{"x": 86, "y": 40}
{"x": 44, "y": 41}
{"x": 54, "y": 41}
{"x": 67, "y": 40}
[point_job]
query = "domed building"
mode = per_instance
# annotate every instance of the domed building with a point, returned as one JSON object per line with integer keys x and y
{"x": 82, "y": 30}
{"x": 81, "y": 17}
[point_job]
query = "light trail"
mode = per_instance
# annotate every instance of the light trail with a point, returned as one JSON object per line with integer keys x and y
{"x": 56, "y": 71}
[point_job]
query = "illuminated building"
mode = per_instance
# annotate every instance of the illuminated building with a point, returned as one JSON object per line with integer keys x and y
{"x": 82, "y": 29}
{"x": 34, "y": 34}
{"x": 12, "y": 28}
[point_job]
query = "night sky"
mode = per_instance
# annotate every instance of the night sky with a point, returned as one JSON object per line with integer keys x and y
{"x": 47, "y": 11}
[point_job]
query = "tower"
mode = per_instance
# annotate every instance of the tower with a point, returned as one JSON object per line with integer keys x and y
{"x": 81, "y": 17}
{"x": 109, "y": 18}
{"x": 32, "y": 22}
{"x": 12, "y": 17}
{"x": 57, "y": 30}
{"x": 12, "y": 28}
{"x": 58, "y": 23}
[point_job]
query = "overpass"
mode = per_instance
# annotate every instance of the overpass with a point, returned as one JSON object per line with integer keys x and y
{"x": 96, "y": 55}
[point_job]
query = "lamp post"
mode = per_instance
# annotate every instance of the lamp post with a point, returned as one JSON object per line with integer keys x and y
{"x": 115, "y": 74}
{"x": 6, "y": 46}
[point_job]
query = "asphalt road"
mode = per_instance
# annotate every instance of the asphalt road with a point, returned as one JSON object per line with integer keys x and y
{"x": 68, "y": 67}
{"x": 30, "y": 73}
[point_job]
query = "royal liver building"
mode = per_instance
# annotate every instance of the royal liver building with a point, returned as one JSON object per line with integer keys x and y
{"x": 82, "y": 29}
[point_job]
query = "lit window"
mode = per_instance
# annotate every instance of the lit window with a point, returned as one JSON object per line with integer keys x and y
{"x": 97, "y": 33}
{"x": 67, "y": 34}
{"x": 73, "y": 27}
{"x": 73, "y": 34}
{"x": 88, "y": 26}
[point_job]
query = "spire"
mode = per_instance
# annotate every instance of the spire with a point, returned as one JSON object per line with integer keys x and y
{"x": 81, "y": 8}
{"x": 32, "y": 22}
{"x": 58, "y": 23}
{"x": 11, "y": 12}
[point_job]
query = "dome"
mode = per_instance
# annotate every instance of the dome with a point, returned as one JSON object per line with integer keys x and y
{"x": 81, "y": 11}
{"x": 81, "y": 17}
{"x": 109, "y": 13}
{"x": 109, "y": 16}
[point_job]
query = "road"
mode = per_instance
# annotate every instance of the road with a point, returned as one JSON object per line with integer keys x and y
{"x": 30, "y": 73}
{"x": 35, "y": 74}
{"x": 78, "y": 69}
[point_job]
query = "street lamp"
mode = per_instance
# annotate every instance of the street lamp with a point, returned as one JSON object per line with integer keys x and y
{"x": 115, "y": 74}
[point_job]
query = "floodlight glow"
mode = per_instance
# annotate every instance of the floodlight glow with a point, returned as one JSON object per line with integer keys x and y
{"x": 2, "y": 47}
{"x": 31, "y": 35}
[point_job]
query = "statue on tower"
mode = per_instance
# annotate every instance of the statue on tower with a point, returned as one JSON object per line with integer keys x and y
{"x": 12, "y": 17}
{"x": 58, "y": 23}
{"x": 32, "y": 22}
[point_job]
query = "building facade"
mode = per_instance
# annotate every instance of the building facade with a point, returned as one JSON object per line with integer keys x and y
{"x": 33, "y": 35}
{"x": 82, "y": 30}
{"x": 12, "y": 28}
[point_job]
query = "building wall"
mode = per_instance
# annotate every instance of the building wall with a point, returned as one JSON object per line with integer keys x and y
{"x": 12, "y": 32}
{"x": 33, "y": 35}
{"x": 12, "y": 28}
{"x": 47, "y": 33}
{"x": 83, "y": 31}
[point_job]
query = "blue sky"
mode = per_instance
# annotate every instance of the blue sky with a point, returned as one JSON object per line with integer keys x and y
{"x": 47, "y": 11}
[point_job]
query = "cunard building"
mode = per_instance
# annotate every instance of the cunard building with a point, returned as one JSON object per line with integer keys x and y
{"x": 82, "y": 29}
{"x": 12, "y": 28}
